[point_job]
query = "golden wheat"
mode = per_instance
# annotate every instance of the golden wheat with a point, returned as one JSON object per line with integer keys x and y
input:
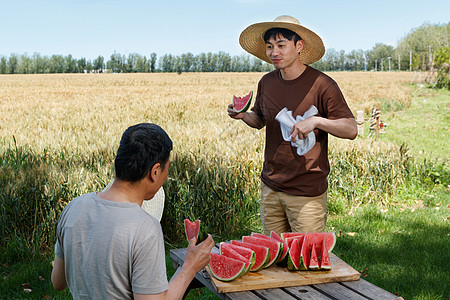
{"x": 86, "y": 113}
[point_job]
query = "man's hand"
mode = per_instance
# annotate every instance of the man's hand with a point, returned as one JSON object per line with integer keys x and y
{"x": 197, "y": 257}
{"x": 303, "y": 128}
{"x": 233, "y": 114}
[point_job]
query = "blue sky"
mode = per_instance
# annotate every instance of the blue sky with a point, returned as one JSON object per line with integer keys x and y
{"x": 88, "y": 28}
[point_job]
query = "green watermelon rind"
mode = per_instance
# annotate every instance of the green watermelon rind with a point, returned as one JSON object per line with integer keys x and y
{"x": 238, "y": 273}
{"x": 247, "y": 105}
{"x": 285, "y": 252}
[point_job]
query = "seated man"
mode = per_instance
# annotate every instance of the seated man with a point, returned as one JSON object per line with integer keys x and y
{"x": 108, "y": 247}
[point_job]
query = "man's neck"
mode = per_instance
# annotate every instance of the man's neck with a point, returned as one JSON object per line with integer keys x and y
{"x": 293, "y": 72}
{"x": 123, "y": 192}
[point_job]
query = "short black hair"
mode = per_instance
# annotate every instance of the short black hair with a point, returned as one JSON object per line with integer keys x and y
{"x": 141, "y": 147}
{"x": 286, "y": 33}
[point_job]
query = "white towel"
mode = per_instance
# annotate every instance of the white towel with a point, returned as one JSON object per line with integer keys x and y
{"x": 287, "y": 121}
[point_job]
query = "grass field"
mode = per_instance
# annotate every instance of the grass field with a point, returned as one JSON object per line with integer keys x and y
{"x": 59, "y": 134}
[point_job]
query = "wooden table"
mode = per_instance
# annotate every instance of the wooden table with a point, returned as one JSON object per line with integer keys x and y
{"x": 359, "y": 289}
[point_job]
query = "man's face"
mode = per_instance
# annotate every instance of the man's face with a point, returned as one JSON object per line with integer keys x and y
{"x": 282, "y": 52}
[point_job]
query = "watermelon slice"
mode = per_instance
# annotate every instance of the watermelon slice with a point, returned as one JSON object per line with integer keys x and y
{"x": 275, "y": 236}
{"x": 285, "y": 235}
{"x": 314, "y": 260}
{"x": 305, "y": 254}
{"x": 317, "y": 238}
{"x": 293, "y": 261}
{"x": 229, "y": 252}
{"x": 242, "y": 104}
{"x": 225, "y": 268}
{"x": 245, "y": 252}
{"x": 262, "y": 254}
{"x": 300, "y": 239}
{"x": 191, "y": 229}
{"x": 275, "y": 247}
{"x": 325, "y": 263}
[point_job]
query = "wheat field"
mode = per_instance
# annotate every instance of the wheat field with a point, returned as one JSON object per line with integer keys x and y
{"x": 89, "y": 112}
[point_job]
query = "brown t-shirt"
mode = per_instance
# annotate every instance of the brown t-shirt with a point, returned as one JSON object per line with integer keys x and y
{"x": 283, "y": 169}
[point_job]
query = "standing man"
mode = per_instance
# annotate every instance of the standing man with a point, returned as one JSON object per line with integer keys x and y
{"x": 294, "y": 187}
{"x": 107, "y": 246}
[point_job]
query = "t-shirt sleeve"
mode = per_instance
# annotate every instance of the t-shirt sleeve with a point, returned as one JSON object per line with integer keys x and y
{"x": 257, "y": 106}
{"x": 148, "y": 275}
{"x": 334, "y": 102}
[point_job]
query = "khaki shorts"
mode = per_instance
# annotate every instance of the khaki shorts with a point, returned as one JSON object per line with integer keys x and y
{"x": 282, "y": 212}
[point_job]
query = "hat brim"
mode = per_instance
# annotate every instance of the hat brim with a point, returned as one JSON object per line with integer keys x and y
{"x": 252, "y": 41}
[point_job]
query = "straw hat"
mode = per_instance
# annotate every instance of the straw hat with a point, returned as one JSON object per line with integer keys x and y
{"x": 252, "y": 39}
{"x": 154, "y": 206}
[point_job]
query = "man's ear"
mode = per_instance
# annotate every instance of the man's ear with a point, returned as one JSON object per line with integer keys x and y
{"x": 299, "y": 46}
{"x": 155, "y": 172}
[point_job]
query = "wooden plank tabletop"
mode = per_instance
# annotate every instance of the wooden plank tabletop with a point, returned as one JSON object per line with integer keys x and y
{"x": 359, "y": 289}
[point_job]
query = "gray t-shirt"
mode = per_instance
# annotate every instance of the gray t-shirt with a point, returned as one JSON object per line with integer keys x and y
{"x": 110, "y": 250}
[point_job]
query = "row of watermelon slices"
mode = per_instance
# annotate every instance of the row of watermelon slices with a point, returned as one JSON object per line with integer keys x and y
{"x": 301, "y": 251}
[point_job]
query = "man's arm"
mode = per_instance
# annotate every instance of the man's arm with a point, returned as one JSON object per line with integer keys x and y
{"x": 58, "y": 274}
{"x": 250, "y": 118}
{"x": 343, "y": 128}
{"x": 197, "y": 257}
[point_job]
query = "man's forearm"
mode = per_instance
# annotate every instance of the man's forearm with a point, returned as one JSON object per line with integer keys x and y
{"x": 343, "y": 128}
{"x": 253, "y": 120}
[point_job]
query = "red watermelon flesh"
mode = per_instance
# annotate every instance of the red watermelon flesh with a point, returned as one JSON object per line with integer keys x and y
{"x": 317, "y": 238}
{"x": 229, "y": 252}
{"x": 275, "y": 247}
{"x": 245, "y": 252}
{"x": 262, "y": 254}
{"x": 242, "y": 104}
{"x": 285, "y": 235}
{"x": 325, "y": 263}
{"x": 225, "y": 268}
{"x": 260, "y": 235}
{"x": 191, "y": 229}
{"x": 275, "y": 236}
{"x": 305, "y": 254}
{"x": 314, "y": 260}
{"x": 293, "y": 263}
{"x": 300, "y": 239}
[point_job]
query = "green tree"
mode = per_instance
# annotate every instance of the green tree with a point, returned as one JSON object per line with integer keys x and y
{"x": 3, "y": 66}
{"x": 378, "y": 57}
{"x": 13, "y": 64}
{"x": 98, "y": 64}
{"x": 153, "y": 59}
{"x": 442, "y": 64}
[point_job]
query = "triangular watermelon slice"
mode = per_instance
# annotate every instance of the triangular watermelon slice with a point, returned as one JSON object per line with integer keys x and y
{"x": 300, "y": 239}
{"x": 318, "y": 237}
{"x": 305, "y": 254}
{"x": 191, "y": 229}
{"x": 229, "y": 252}
{"x": 225, "y": 268}
{"x": 293, "y": 261}
{"x": 314, "y": 260}
{"x": 275, "y": 247}
{"x": 245, "y": 252}
{"x": 325, "y": 263}
{"x": 241, "y": 105}
{"x": 262, "y": 254}
{"x": 275, "y": 236}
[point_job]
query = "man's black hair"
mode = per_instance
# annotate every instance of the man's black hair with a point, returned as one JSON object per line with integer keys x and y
{"x": 286, "y": 33}
{"x": 141, "y": 147}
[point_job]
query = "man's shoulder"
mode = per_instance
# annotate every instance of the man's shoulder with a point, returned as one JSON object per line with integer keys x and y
{"x": 321, "y": 76}
{"x": 271, "y": 75}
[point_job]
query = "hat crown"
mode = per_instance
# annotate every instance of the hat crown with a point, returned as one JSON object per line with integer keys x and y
{"x": 287, "y": 19}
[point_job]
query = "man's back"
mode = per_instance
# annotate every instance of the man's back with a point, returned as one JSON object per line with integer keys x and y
{"x": 115, "y": 249}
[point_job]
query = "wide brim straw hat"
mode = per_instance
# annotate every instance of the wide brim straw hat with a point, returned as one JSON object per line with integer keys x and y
{"x": 252, "y": 39}
{"x": 154, "y": 206}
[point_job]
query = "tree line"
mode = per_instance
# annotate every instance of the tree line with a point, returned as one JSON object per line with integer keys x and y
{"x": 418, "y": 50}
